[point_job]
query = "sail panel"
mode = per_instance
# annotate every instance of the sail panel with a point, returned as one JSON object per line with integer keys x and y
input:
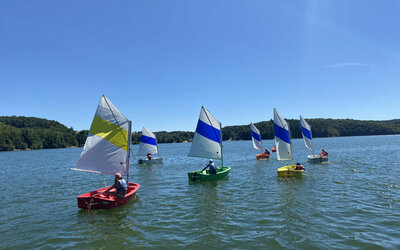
{"x": 148, "y": 140}
{"x": 281, "y": 133}
{"x": 148, "y": 143}
{"x": 110, "y": 132}
{"x": 207, "y": 138}
{"x": 102, "y": 157}
{"x": 208, "y": 131}
{"x": 106, "y": 147}
{"x": 204, "y": 148}
{"x": 109, "y": 112}
{"x": 306, "y": 131}
{"x": 256, "y": 138}
{"x": 282, "y": 138}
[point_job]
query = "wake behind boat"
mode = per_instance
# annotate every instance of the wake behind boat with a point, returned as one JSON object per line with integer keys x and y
{"x": 106, "y": 151}
{"x": 284, "y": 148}
{"x": 207, "y": 143}
{"x": 148, "y": 147}
{"x": 307, "y": 136}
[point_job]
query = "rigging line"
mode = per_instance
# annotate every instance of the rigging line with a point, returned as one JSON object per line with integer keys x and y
{"x": 126, "y": 140}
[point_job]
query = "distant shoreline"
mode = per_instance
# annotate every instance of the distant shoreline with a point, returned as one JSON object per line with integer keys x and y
{"x": 29, "y": 149}
{"x": 31, "y": 133}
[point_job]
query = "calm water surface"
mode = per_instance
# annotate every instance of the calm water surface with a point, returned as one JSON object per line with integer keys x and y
{"x": 351, "y": 203}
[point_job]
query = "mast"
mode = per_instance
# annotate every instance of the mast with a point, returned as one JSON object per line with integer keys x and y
{"x": 222, "y": 155}
{"x": 312, "y": 144}
{"x": 158, "y": 151}
{"x": 290, "y": 140}
{"x": 128, "y": 156}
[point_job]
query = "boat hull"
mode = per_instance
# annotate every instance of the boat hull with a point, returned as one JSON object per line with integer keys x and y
{"x": 316, "y": 159}
{"x": 262, "y": 156}
{"x": 156, "y": 160}
{"x": 289, "y": 171}
{"x": 205, "y": 176}
{"x": 97, "y": 200}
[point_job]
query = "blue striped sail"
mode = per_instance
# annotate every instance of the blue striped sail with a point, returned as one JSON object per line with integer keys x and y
{"x": 282, "y": 138}
{"x": 148, "y": 143}
{"x": 207, "y": 137}
{"x": 256, "y": 137}
{"x": 306, "y": 131}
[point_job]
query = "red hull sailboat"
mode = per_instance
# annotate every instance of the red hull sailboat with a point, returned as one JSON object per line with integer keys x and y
{"x": 99, "y": 199}
{"x": 107, "y": 151}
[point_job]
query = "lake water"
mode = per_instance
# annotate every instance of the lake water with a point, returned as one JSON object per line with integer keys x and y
{"x": 351, "y": 203}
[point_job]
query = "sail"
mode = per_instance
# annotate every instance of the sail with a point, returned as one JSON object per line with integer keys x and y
{"x": 306, "y": 131}
{"x": 207, "y": 138}
{"x": 148, "y": 143}
{"x": 282, "y": 138}
{"x": 106, "y": 148}
{"x": 256, "y": 137}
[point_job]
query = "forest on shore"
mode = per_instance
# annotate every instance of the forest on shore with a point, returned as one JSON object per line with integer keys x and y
{"x": 22, "y": 133}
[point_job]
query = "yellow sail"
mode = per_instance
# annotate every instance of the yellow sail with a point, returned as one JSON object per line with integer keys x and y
{"x": 106, "y": 148}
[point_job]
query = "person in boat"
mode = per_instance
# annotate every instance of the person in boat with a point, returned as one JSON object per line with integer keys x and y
{"x": 299, "y": 167}
{"x": 267, "y": 151}
{"x": 212, "y": 167}
{"x": 120, "y": 186}
{"x": 323, "y": 153}
{"x": 149, "y": 156}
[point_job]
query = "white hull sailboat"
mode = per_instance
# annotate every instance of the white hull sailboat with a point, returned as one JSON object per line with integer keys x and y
{"x": 148, "y": 145}
{"x": 307, "y": 136}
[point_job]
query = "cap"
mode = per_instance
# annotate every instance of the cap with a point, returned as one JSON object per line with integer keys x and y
{"x": 118, "y": 175}
{"x": 211, "y": 160}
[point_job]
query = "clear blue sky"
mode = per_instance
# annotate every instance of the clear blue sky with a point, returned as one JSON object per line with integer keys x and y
{"x": 159, "y": 61}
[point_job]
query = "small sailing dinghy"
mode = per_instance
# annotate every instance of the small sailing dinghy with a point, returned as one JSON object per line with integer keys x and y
{"x": 284, "y": 147}
{"x": 148, "y": 145}
{"x": 207, "y": 143}
{"x": 307, "y": 136}
{"x": 257, "y": 144}
{"x": 106, "y": 151}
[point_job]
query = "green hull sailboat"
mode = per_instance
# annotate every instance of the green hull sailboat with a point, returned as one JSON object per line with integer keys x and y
{"x": 207, "y": 143}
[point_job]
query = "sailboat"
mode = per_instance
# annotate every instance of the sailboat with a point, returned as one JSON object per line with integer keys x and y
{"x": 257, "y": 144}
{"x": 148, "y": 145}
{"x": 284, "y": 147}
{"x": 207, "y": 143}
{"x": 307, "y": 136}
{"x": 106, "y": 151}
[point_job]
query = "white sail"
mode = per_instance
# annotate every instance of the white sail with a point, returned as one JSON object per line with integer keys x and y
{"x": 207, "y": 138}
{"x": 148, "y": 143}
{"x": 282, "y": 138}
{"x": 306, "y": 132}
{"x": 106, "y": 148}
{"x": 256, "y": 137}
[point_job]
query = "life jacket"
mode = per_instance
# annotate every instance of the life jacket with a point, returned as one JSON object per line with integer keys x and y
{"x": 324, "y": 153}
{"x": 122, "y": 185}
{"x": 213, "y": 168}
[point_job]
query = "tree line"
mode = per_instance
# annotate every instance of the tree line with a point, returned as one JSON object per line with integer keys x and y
{"x": 319, "y": 127}
{"x": 20, "y": 133}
